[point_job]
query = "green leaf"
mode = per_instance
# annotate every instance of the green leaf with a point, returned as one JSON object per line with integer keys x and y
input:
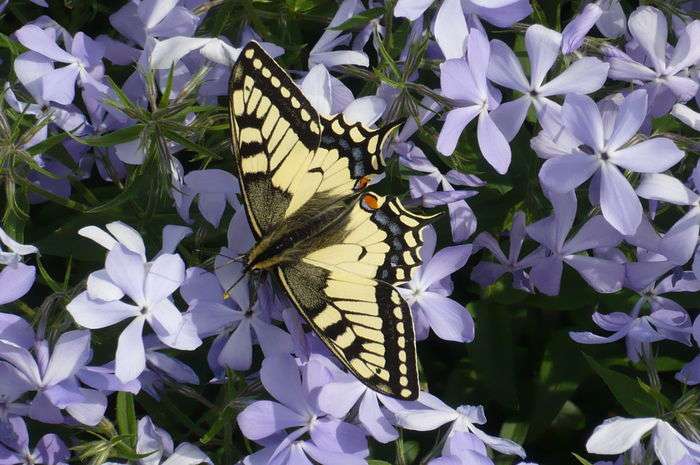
{"x": 581, "y": 459}
{"x": 126, "y": 418}
{"x": 360, "y": 20}
{"x": 626, "y": 390}
{"x": 377, "y": 462}
{"x": 561, "y": 372}
{"x": 47, "y": 143}
{"x": 116, "y": 137}
{"x": 492, "y": 354}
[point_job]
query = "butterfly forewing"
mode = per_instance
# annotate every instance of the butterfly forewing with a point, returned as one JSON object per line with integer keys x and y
{"x": 275, "y": 132}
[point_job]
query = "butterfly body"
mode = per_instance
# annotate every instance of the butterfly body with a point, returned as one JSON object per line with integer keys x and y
{"x": 336, "y": 248}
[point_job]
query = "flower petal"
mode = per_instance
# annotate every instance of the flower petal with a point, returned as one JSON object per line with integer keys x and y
{"x": 126, "y": 269}
{"x": 629, "y": 119}
{"x": 130, "y": 360}
{"x": 165, "y": 275}
{"x": 505, "y": 68}
{"x": 15, "y": 282}
{"x": 581, "y": 116}
{"x": 455, "y": 122}
{"x": 542, "y": 46}
{"x": 666, "y": 189}
{"x": 96, "y": 314}
{"x": 649, "y": 26}
{"x": 448, "y": 319}
{"x": 604, "y": 276}
{"x": 450, "y": 29}
{"x": 582, "y": 77}
{"x": 567, "y": 172}
{"x": 650, "y": 156}
{"x": 492, "y": 143}
{"x": 71, "y": 352}
{"x": 618, "y": 201}
{"x": 264, "y": 418}
{"x": 618, "y": 435}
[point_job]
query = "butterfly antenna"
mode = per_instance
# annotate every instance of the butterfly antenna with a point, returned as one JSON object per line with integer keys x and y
{"x": 243, "y": 275}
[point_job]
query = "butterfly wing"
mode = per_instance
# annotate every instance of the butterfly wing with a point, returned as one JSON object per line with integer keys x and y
{"x": 345, "y": 292}
{"x": 286, "y": 153}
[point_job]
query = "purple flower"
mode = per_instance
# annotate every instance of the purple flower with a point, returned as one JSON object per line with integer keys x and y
{"x": 149, "y": 286}
{"x": 463, "y": 448}
{"x": 603, "y": 275}
{"x": 425, "y": 187}
{"x": 617, "y": 435}
{"x": 687, "y": 116}
{"x": 212, "y": 188}
{"x": 606, "y": 14}
{"x": 500, "y": 13}
{"x": 331, "y": 441}
{"x": 428, "y": 289}
{"x": 16, "y": 278}
{"x": 431, "y": 413}
{"x": 324, "y": 51}
{"x": 486, "y": 273}
{"x": 665, "y": 188}
{"x": 84, "y": 62}
{"x": 690, "y": 373}
{"x": 235, "y": 325}
{"x": 603, "y": 132}
{"x": 140, "y": 19}
{"x": 49, "y": 450}
{"x": 466, "y": 84}
{"x": 345, "y": 392}
{"x": 648, "y": 26}
{"x": 52, "y": 374}
{"x": 583, "y": 76}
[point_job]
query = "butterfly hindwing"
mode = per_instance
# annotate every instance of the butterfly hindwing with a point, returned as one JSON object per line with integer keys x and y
{"x": 345, "y": 291}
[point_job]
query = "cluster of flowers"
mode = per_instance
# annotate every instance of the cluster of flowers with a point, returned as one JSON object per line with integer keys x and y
{"x": 319, "y": 412}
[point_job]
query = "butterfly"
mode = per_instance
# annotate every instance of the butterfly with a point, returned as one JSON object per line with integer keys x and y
{"x": 336, "y": 247}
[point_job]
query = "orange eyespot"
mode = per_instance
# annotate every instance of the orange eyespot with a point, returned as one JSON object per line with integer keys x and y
{"x": 362, "y": 183}
{"x": 371, "y": 202}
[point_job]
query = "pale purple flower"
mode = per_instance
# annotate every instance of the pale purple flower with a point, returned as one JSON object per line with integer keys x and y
{"x": 431, "y": 413}
{"x": 552, "y": 232}
{"x": 329, "y": 96}
{"x": 149, "y": 285}
{"x": 665, "y": 188}
{"x": 603, "y": 134}
{"x": 617, "y": 435}
{"x": 429, "y": 287}
{"x": 345, "y": 392}
{"x": 212, "y": 188}
{"x": 52, "y": 374}
{"x": 435, "y": 188}
{"x": 583, "y": 76}
{"x": 49, "y": 450}
{"x": 687, "y": 116}
{"x": 83, "y": 63}
{"x": 667, "y": 65}
{"x": 486, "y": 272}
{"x": 16, "y": 278}
{"x": 66, "y": 117}
{"x": 465, "y": 83}
{"x": 162, "y": 367}
{"x": 639, "y": 331}
{"x": 463, "y": 448}
{"x": 324, "y": 51}
{"x": 168, "y": 52}
{"x": 690, "y": 373}
{"x": 500, "y": 13}
{"x": 451, "y": 29}
{"x": 157, "y": 446}
{"x": 140, "y": 19}
{"x": 607, "y": 15}
{"x": 281, "y": 425}
{"x": 234, "y": 324}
